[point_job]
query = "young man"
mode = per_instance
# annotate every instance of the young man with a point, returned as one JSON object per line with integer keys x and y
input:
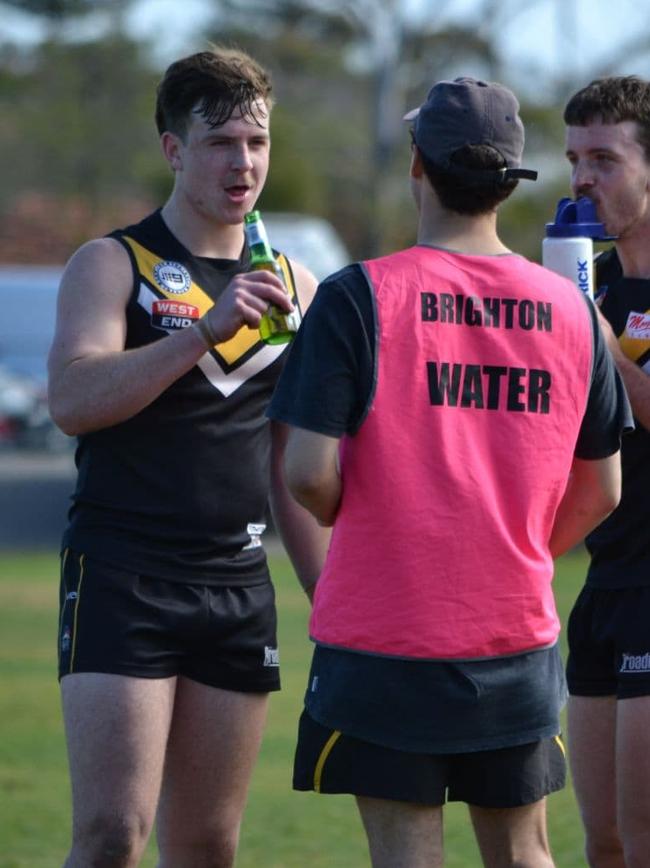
{"x": 608, "y": 146}
{"x": 456, "y": 418}
{"x": 167, "y": 646}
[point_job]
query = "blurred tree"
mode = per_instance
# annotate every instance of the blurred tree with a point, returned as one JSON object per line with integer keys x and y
{"x": 82, "y": 115}
{"x": 58, "y": 14}
{"x": 77, "y": 121}
{"x": 76, "y": 117}
{"x": 54, "y": 9}
{"x": 362, "y": 59}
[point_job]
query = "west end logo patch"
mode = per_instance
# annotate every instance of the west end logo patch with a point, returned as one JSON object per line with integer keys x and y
{"x": 637, "y": 326}
{"x": 172, "y": 276}
{"x": 166, "y": 314}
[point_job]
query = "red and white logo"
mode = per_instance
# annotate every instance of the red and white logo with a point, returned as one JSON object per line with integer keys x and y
{"x": 637, "y": 326}
{"x": 167, "y": 314}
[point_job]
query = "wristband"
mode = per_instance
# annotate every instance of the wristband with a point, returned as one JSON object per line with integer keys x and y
{"x": 205, "y": 329}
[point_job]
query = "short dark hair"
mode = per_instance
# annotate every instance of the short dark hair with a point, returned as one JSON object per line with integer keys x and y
{"x": 613, "y": 100}
{"x": 213, "y": 84}
{"x": 469, "y": 197}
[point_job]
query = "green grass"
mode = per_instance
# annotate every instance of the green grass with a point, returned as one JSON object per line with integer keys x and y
{"x": 282, "y": 829}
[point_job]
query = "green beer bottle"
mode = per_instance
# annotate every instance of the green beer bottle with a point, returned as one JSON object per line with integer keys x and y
{"x": 276, "y": 326}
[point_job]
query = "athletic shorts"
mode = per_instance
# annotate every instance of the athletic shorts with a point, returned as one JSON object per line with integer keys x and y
{"x": 329, "y": 762}
{"x": 609, "y": 643}
{"x": 119, "y": 622}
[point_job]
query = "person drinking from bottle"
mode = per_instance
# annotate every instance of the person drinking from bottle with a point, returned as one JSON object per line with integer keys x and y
{"x": 167, "y": 640}
{"x": 608, "y": 669}
{"x": 456, "y": 418}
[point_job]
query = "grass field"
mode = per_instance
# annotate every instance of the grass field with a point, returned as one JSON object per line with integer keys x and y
{"x": 282, "y": 829}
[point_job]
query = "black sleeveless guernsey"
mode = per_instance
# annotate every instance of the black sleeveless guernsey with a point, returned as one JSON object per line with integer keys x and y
{"x": 179, "y": 491}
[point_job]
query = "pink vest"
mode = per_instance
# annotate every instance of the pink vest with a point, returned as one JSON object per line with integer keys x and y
{"x": 450, "y": 486}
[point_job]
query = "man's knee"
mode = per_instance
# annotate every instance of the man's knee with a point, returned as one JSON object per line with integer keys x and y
{"x": 542, "y": 859}
{"x": 109, "y": 841}
{"x": 636, "y": 849}
{"x": 603, "y": 848}
{"x": 214, "y": 849}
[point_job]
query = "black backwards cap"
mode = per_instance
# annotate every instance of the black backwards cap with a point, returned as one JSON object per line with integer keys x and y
{"x": 467, "y": 111}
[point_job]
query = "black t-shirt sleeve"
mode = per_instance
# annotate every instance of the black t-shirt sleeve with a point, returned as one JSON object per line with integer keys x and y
{"x": 328, "y": 378}
{"x": 608, "y": 414}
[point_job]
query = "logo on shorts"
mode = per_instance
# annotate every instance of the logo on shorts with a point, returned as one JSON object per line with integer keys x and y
{"x": 255, "y": 532}
{"x": 271, "y": 656}
{"x": 172, "y": 276}
{"x": 637, "y": 663}
{"x": 65, "y": 640}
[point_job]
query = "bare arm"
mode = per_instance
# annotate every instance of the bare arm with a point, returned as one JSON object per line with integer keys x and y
{"x": 304, "y": 539}
{"x": 306, "y": 284}
{"x": 593, "y": 491}
{"x": 637, "y": 382}
{"x": 93, "y": 381}
{"x": 312, "y": 473}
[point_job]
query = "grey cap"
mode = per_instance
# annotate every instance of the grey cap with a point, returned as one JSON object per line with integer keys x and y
{"x": 468, "y": 111}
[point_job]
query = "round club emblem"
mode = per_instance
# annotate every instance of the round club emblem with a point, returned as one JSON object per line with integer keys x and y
{"x": 172, "y": 276}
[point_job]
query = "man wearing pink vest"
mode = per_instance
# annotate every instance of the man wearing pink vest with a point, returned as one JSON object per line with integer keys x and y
{"x": 456, "y": 418}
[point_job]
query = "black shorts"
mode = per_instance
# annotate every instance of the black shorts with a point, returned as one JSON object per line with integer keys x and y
{"x": 329, "y": 762}
{"x": 609, "y": 643}
{"x": 114, "y": 621}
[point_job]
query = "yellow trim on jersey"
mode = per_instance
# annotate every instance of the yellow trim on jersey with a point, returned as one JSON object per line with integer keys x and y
{"x": 322, "y": 759}
{"x": 288, "y": 279}
{"x": 230, "y": 350}
{"x": 634, "y": 348}
{"x": 76, "y": 612}
{"x": 560, "y": 744}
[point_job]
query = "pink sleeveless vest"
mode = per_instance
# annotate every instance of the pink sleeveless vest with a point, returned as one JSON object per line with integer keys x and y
{"x": 452, "y": 482}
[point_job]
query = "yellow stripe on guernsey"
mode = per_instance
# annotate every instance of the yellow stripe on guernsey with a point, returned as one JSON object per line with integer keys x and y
{"x": 322, "y": 759}
{"x": 560, "y": 744}
{"x": 635, "y": 339}
{"x": 230, "y": 350}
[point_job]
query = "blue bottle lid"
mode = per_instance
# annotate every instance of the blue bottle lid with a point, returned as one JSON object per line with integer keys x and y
{"x": 576, "y": 218}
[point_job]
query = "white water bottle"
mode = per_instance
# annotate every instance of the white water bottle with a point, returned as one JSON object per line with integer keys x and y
{"x": 568, "y": 247}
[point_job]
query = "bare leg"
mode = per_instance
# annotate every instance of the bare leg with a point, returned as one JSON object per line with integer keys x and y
{"x": 633, "y": 779}
{"x": 116, "y": 730}
{"x": 213, "y": 744}
{"x": 513, "y": 837}
{"x": 592, "y": 757}
{"x": 402, "y": 834}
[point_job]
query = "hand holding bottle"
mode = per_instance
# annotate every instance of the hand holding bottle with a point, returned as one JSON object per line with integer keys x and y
{"x": 278, "y": 325}
{"x": 244, "y": 302}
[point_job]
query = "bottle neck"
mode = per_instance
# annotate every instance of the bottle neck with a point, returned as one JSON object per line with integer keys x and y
{"x": 258, "y": 243}
{"x": 261, "y": 253}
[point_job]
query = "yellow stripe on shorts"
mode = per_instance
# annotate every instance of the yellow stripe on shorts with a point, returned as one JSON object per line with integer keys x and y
{"x": 64, "y": 558}
{"x": 322, "y": 759}
{"x": 76, "y": 610}
{"x": 560, "y": 744}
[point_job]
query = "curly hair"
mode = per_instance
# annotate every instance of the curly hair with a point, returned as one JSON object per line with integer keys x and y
{"x": 212, "y": 84}
{"x": 613, "y": 100}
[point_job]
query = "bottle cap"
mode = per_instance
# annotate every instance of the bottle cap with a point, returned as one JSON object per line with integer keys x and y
{"x": 576, "y": 218}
